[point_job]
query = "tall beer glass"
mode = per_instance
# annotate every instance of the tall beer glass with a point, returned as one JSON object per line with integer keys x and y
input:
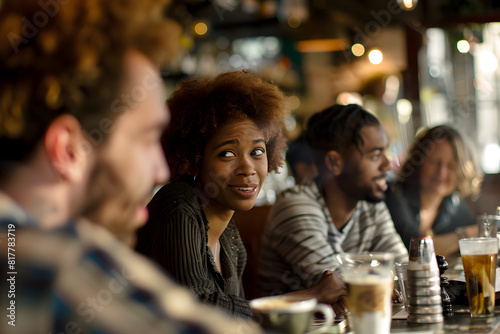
{"x": 479, "y": 258}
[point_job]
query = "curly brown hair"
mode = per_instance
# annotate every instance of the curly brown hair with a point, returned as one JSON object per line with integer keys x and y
{"x": 201, "y": 106}
{"x": 470, "y": 175}
{"x": 65, "y": 57}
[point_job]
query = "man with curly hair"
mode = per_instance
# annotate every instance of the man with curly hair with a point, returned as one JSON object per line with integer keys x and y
{"x": 227, "y": 133}
{"x": 82, "y": 110}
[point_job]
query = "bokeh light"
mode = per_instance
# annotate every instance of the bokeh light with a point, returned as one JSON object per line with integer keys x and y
{"x": 200, "y": 28}
{"x": 375, "y": 57}
{"x": 358, "y": 49}
{"x": 463, "y": 46}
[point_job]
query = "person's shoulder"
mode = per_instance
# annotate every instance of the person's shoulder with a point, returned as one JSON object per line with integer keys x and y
{"x": 373, "y": 209}
{"x": 308, "y": 191}
{"x": 298, "y": 201}
{"x": 40, "y": 255}
{"x": 176, "y": 190}
{"x": 398, "y": 194}
{"x": 106, "y": 255}
{"x": 12, "y": 214}
{"x": 300, "y": 198}
{"x": 177, "y": 196}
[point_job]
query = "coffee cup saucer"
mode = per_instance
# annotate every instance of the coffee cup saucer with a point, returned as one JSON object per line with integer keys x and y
{"x": 337, "y": 326}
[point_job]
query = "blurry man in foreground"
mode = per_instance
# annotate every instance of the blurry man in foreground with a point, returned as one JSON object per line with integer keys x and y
{"x": 81, "y": 113}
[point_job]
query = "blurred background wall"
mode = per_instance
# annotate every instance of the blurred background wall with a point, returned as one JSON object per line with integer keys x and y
{"x": 412, "y": 63}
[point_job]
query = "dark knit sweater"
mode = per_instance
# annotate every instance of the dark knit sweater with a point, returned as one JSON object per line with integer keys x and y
{"x": 176, "y": 237}
{"x": 403, "y": 201}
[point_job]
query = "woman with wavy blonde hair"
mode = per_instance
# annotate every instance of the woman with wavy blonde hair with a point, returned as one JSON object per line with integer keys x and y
{"x": 428, "y": 198}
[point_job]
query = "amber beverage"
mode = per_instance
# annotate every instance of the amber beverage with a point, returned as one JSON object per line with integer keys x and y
{"x": 479, "y": 256}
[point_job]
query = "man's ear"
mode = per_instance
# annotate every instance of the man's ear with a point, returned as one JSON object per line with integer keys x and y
{"x": 334, "y": 162}
{"x": 64, "y": 143}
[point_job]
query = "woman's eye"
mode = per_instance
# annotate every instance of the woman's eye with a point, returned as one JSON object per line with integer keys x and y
{"x": 225, "y": 154}
{"x": 258, "y": 151}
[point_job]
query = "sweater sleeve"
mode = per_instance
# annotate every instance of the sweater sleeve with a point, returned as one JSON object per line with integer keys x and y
{"x": 405, "y": 222}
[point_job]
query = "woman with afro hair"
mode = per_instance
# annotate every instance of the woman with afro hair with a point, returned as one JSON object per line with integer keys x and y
{"x": 226, "y": 134}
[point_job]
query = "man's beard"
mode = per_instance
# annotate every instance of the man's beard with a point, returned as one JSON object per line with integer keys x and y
{"x": 109, "y": 202}
{"x": 103, "y": 183}
{"x": 372, "y": 198}
{"x": 359, "y": 193}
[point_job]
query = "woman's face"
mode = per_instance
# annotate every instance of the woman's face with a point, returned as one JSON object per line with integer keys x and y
{"x": 439, "y": 171}
{"x": 233, "y": 167}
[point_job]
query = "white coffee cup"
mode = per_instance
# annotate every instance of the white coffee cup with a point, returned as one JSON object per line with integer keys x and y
{"x": 287, "y": 314}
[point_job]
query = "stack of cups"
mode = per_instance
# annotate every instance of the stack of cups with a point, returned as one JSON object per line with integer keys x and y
{"x": 424, "y": 289}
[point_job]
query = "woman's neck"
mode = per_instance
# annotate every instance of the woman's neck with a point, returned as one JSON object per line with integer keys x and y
{"x": 217, "y": 221}
{"x": 218, "y": 218}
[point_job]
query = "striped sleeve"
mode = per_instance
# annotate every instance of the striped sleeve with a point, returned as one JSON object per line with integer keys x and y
{"x": 386, "y": 238}
{"x": 298, "y": 234}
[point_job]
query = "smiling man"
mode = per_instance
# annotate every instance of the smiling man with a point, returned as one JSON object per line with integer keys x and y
{"x": 342, "y": 210}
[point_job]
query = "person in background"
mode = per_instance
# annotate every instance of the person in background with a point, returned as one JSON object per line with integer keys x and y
{"x": 300, "y": 158}
{"x": 342, "y": 210}
{"x": 428, "y": 198}
{"x": 227, "y": 133}
{"x": 82, "y": 109}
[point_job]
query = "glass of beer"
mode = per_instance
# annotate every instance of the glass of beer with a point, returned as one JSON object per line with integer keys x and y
{"x": 479, "y": 258}
{"x": 488, "y": 225}
{"x": 369, "y": 282}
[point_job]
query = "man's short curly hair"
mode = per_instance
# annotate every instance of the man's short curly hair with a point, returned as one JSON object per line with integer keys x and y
{"x": 336, "y": 128}
{"x": 201, "y": 106}
{"x": 66, "y": 57}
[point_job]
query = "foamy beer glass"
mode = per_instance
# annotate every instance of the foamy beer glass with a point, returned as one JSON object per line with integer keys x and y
{"x": 479, "y": 258}
{"x": 369, "y": 281}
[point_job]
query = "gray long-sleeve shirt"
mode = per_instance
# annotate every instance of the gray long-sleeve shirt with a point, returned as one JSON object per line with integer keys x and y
{"x": 300, "y": 239}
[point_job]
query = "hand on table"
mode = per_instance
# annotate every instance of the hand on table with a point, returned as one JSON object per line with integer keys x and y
{"x": 330, "y": 289}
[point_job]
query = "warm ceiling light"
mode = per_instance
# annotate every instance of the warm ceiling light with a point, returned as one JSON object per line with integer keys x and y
{"x": 463, "y": 46}
{"x": 200, "y": 28}
{"x": 375, "y": 57}
{"x": 358, "y": 49}
{"x": 294, "y": 22}
{"x": 322, "y": 45}
{"x": 407, "y": 4}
